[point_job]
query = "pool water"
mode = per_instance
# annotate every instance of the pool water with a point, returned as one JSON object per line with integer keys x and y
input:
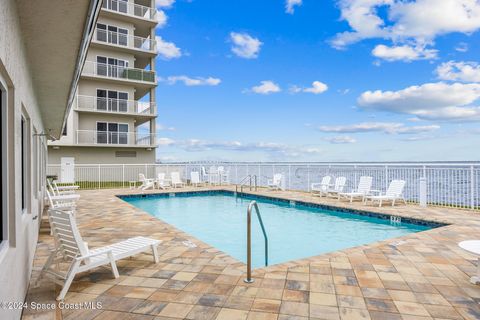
{"x": 294, "y": 231}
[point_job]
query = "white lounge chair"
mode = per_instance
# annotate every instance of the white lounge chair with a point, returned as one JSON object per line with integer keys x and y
{"x": 223, "y": 175}
{"x": 65, "y": 189}
{"x": 71, "y": 249}
{"x": 195, "y": 179}
{"x": 276, "y": 182}
{"x": 176, "y": 181}
{"x": 322, "y": 187}
{"x": 338, "y": 186}
{"x": 363, "y": 189}
{"x": 205, "y": 176}
{"x": 393, "y": 193}
{"x": 62, "y": 201}
{"x": 146, "y": 183}
{"x": 55, "y": 191}
{"x": 162, "y": 182}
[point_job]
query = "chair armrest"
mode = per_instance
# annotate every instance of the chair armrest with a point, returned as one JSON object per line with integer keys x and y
{"x": 98, "y": 253}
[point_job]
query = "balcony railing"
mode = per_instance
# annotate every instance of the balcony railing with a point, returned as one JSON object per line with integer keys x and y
{"x": 125, "y": 40}
{"x": 130, "y": 9}
{"x": 93, "y": 68}
{"x": 94, "y": 137}
{"x": 91, "y": 103}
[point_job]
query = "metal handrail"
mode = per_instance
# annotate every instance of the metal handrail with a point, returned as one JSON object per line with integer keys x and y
{"x": 243, "y": 183}
{"x": 249, "y": 239}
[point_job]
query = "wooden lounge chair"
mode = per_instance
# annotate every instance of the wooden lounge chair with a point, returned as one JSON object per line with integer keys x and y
{"x": 70, "y": 249}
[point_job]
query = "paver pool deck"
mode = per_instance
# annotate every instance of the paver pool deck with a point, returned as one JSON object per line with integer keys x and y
{"x": 422, "y": 275}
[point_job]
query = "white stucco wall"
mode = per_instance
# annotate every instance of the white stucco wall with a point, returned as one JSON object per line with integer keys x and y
{"x": 16, "y": 253}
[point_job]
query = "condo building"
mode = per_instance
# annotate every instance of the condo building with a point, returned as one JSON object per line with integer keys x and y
{"x": 43, "y": 46}
{"x": 113, "y": 115}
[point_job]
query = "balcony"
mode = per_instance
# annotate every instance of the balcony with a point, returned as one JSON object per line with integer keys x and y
{"x": 142, "y": 80}
{"x": 116, "y": 106}
{"x": 125, "y": 41}
{"x": 130, "y": 10}
{"x": 93, "y": 138}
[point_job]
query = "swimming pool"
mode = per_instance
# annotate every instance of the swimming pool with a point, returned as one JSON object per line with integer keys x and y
{"x": 295, "y": 230}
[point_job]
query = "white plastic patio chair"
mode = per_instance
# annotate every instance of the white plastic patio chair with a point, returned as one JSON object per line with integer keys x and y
{"x": 363, "y": 189}
{"x": 55, "y": 191}
{"x": 393, "y": 193}
{"x": 276, "y": 182}
{"x": 319, "y": 189}
{"x": 72, "y": 250}
{"x": 338, "y": 186}
{"x": 223, "y": 175}
{"x": 195, "y": 179}
{"x": 205, "y": 177}
{"x": 162, "y": 182}
{"x": 176, "y": 181}
{"x": 146, "y": 183}
{"x": 62, "y": 201}
{"x": 65, "y": 189}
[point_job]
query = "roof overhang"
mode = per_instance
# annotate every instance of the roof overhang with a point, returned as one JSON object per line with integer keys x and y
{"x": 56, "y": 36}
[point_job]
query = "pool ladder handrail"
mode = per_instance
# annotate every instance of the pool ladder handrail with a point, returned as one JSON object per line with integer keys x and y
{"x": 252, "y": 205}
{"x": 244, "y": 181}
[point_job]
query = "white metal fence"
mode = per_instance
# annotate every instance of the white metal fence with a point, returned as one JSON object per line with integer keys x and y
{"x": 448, "y": 184}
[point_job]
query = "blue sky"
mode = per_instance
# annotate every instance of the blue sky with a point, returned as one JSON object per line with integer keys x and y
{"x": 347, "y": 80}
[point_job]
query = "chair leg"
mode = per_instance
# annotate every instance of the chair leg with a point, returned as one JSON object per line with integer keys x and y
{"x": 45, "y": 267}
{"x": 114, "y": 265}
{"x": 68, "y": 281}
{"x": 155, "y": 253}
{"x": 393, "y": 203}
{"x": 380, "y": 203}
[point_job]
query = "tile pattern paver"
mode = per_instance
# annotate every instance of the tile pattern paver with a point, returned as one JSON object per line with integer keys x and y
{"x": 418, "y": 276}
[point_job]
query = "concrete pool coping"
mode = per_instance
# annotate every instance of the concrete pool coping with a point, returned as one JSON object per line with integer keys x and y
{"x": 395, "y": 274}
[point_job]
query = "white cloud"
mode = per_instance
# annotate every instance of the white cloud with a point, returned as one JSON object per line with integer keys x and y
{"x": 161, "y": 127}
{"x": 462, "y": 47}
{"x": 403, "y": 53}
{"x": 430, "y": 101}
{"x": 164, "y": 3}
{"x": 244, "y": 45}
{"x": 340, "y": 140}
{"x": 316, "y": 88}
{"x": 167, "y": 50}
{"x": 386, "y": 127}
{"x": 418, "y": 22}
{"x": 265, "y": 87}
{"x": 198, "y": 81}
{"x": 198, "y": 145}
{"x": 290, "y": 5}
{"x": 161, "y": 18}
{"x": 459, "y": 71}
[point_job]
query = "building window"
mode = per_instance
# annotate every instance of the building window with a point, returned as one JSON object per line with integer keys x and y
{"x": 23, "y": 128}
{"x": 4, "y": 156}
{"x": 112, "y": 133}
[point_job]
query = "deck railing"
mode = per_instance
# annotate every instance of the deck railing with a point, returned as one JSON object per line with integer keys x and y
{"x": 102, "y": 138}
{"x": 129, "y": 8}
{"x": 448, "y": 184}
{"x": 92, "y": 68}
{"x": 124, "y": 40}
{"x": 100, "y": 104}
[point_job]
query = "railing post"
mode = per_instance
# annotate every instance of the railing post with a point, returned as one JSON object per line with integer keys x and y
{"x": 472, "y": 187}
{"x": 386, "y": 177}
{"x": 308, "y": 177}
{"x": 98, "y": 177}
{"x": 236, "y": 173}
{"x": 123, "y": 176}
{"x": 289, "y": 176}
{"x": 423, "y": 192}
